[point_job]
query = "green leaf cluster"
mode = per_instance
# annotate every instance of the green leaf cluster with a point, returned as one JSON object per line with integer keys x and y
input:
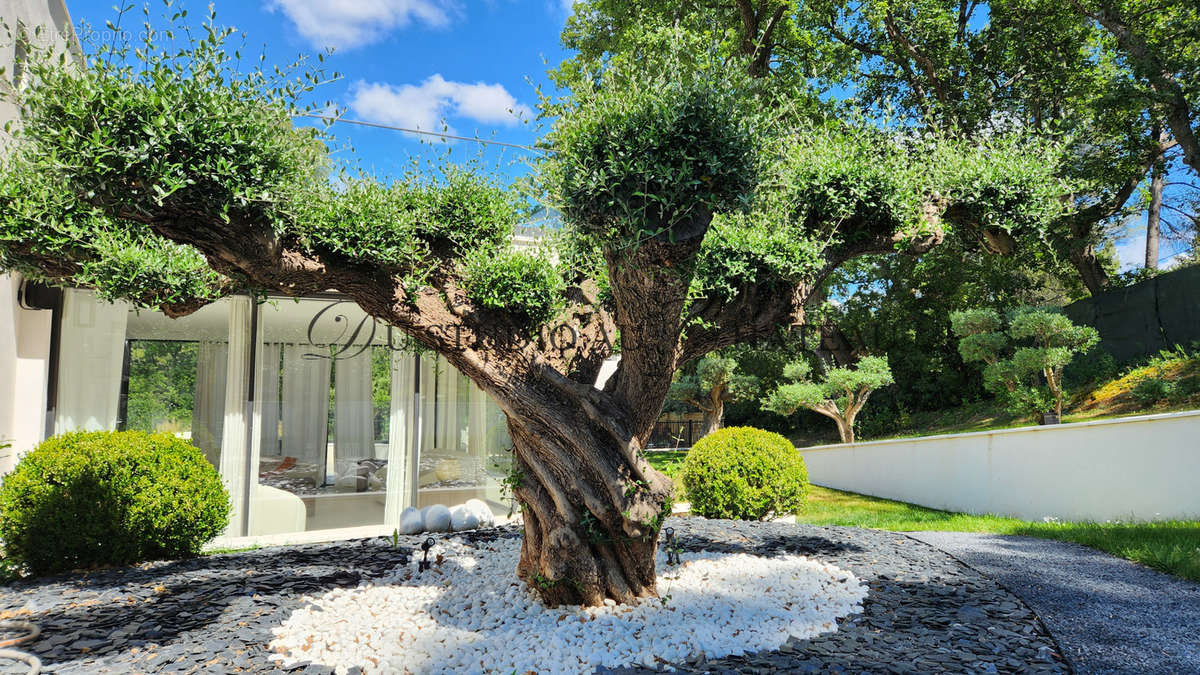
{"x": 526, "y": 284}
{"x": 414, "y": 227}
{"x": 717, "y": 374}
{"x": 758, "y": 249}
{"x": 643, "y": 152}
{"x": 46, "y": 233}
{"x": 1051, "y": 339}
{"x": 841, "y": 386}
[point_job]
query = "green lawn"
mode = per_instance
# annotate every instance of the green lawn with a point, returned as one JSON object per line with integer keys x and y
{"x": 1169, "y": 546}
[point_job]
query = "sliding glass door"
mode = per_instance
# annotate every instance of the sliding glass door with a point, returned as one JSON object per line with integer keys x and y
{"x": 317, "y": 417}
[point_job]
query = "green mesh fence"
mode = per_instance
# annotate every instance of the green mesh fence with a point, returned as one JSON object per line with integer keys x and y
{"x": 1142, "y": 319}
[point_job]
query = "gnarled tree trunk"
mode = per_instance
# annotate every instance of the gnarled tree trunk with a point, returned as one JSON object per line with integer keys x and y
{"x": 713, "y": 409}
{"x": 713, "y": 416}
{"x": 591, "y": 505}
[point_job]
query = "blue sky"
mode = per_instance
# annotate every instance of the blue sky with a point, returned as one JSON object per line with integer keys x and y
{"x": 469, "y": 64}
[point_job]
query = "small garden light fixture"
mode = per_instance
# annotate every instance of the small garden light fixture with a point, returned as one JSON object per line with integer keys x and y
{"x": 672, "y": 547}
{"x": 425, "y": 546}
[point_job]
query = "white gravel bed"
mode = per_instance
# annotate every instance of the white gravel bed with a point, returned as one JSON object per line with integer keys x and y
{"x": 471, "y": 615}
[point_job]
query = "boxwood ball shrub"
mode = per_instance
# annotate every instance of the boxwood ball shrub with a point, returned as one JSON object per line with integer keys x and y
{"x": 744, "y": 473}
{"x": 86, "y": 499}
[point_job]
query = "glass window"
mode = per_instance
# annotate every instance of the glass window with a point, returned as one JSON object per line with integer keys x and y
{"x": 343, "y": 433}
{"x": 123, "y": 368}
{"x": 465, "y": 449}
{"x": 337, "y": 433}
{"x": 326, "y": 459}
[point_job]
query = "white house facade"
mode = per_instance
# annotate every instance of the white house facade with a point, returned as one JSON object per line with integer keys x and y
{"x": 321, "y": 421}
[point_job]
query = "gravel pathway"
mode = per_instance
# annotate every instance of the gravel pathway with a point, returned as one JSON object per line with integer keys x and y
{"x": 925, "y": 612}
{"x": 1109, "y": 615}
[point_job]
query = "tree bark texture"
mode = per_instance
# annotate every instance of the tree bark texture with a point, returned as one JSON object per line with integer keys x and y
{"x": 1153, "y": 219}
{"x": 591, "y": 520}
{"x": 713, "y": 417}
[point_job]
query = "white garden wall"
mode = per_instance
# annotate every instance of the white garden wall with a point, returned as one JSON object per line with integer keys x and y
{"x": 1134, "y": 468}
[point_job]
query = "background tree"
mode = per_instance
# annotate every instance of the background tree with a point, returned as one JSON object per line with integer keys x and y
{"x": 162, "y": 381}
{"x": 1055, "y": 342}
{"x": 971, "y": 68}
{"x": 840, "y": 395}
{"x": 713, "y": 382}
{"x": 1159, "y": 41}
{"x": 171, "y": 176}
{"x": 901, "y": 306}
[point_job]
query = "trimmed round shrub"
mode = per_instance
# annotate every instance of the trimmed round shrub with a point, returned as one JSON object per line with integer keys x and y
{"x": 87, "y": 499}
{"x": 744, "y": 473}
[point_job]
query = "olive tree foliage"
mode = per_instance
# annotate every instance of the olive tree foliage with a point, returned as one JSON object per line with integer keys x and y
{"x": 1037, "y": 344}
{"x": 173, "y": 175}
{"x": 1113, "y": 79}
{"x": 839, "y": 395}
{"x": 713, "y": 382}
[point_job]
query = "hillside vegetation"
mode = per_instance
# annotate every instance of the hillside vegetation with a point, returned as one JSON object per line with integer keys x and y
{"x": 1168, "y": 382}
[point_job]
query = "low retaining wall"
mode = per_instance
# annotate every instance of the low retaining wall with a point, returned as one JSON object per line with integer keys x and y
{"x": 1134, "y": 468}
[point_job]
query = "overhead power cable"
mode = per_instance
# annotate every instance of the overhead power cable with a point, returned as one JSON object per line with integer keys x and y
{"x": 376, "y": 125}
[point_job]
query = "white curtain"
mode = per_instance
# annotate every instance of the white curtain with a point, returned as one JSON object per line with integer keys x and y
{"x": 305, "y": 407}
{"x": 477, "y": 425}
{"x": 353, "y": 408}
{"x": 91, "y": 354}
{"x": 233, "y": 461}
{"x": 268, "y": 398}
{"x": 448, "y": 413}
{"x": 428, "y": 402}
{"x": 208, "y": 402}
{"x": 402, "y": 458}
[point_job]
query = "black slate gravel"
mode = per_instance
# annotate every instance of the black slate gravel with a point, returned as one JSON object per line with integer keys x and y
{"x": 1109, "y": 614}
{"x": 926, "y": 612}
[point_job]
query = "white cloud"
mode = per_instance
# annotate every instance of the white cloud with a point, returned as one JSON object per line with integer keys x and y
{"x": 347, "y": 24}
{"x": 560, "y": 8}
{"x": 1131, "y": 251}
{"x": 424, "y": 106}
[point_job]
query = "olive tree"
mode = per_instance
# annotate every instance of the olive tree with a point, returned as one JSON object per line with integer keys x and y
{"x": 714, "y": 382}
{"x": 839, "y": 395}
{"x": 172, "y": 176}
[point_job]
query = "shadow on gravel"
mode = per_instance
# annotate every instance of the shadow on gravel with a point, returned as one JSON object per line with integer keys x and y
{"x": 957, "y": 624}
{"x": 136, "y": 620}
{"x": 223, "y": 596}
{"x": 276, "y": 559}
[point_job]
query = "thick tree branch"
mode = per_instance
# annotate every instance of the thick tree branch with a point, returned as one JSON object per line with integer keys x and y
{"x": 488, "y": 346}
{"x": 941, "y": 90}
